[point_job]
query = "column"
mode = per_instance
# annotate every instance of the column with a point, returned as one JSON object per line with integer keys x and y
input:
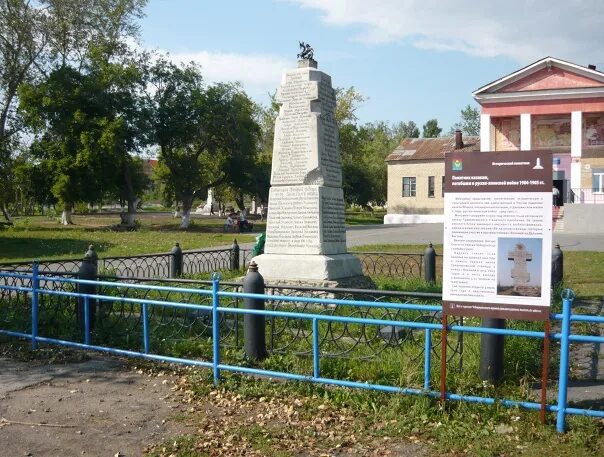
{"x": 485, "y": 132}
{"x": 576, "y": 149}
{"x": 525, "y": 132}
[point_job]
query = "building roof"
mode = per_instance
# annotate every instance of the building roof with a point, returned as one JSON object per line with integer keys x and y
{"x": 547, "y": 78}
{"x": 430, "y": 148}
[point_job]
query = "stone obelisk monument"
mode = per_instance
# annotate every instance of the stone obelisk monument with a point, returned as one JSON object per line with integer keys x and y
{"x": 305, "y": 232}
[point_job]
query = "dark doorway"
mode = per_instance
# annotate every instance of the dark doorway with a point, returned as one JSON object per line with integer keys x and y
{"x": 559, "y": 184}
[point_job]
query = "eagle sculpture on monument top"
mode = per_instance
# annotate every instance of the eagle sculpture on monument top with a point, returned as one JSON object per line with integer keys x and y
{"x": 306, "y": 52}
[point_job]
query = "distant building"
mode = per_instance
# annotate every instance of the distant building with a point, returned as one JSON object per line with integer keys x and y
{"x": 550, "y": 104}
{"x": 555, "y": 105}
{"x": 416, "y": 172}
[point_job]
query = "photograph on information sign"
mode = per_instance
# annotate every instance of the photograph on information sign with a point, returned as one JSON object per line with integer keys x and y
{"x": 519, "y": 266}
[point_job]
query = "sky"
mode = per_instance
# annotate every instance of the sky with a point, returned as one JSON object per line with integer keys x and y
{"x": 412, "y": 60}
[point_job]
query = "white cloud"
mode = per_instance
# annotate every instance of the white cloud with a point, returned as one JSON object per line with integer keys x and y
{"x": 524, "y": 30}
{"x": 259, "y": 74}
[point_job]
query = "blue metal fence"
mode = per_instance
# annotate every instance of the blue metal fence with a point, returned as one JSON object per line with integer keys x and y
{"x": 215, "y": 310}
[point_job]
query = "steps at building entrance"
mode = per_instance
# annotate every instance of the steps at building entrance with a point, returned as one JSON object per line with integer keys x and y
{"x": 558, "y": 219}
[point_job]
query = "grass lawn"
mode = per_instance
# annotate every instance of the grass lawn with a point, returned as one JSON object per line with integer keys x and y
{"x": 39, "y": 237}
{"x": 364, "y": 217}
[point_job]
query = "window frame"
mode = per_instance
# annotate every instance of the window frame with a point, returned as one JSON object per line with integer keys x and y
{"x": 600, "y": 179}
{"x": 411, "y": 186}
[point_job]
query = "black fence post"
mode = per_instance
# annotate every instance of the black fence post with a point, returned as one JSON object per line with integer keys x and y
{"x": 235, "y": 256}
{"x": 492, "y": 352}
{"x": 254, "y": 337}
{"x": 175, "y": 261}
{"x": 430, "y": 264}
{"x": 87, "y": 271}
{"x": 557, "y": 266}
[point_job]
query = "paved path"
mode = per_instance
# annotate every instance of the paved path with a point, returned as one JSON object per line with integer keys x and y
{"x": 95, "y": 408}
{"x": 433, "y": 233}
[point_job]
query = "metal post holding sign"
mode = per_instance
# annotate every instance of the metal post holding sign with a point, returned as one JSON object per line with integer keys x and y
{"x": 443, "y": 359}
{"x": 492, "y": 352}
{"x": 545, "y": 369}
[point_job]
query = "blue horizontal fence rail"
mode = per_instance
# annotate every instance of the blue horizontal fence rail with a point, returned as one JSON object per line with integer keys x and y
{"x": 215, "y": 311}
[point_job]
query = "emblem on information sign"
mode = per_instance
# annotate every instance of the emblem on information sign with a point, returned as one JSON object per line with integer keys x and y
{"x": 457, "y": 165}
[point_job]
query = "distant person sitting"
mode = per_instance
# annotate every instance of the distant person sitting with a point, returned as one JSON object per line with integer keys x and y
{"x": 230, "y": 224}
{"x": 244, "y": 225}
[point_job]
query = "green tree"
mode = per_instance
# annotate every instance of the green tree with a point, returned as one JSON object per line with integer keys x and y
{"x": 405, "y": 130}
{"x": 22, "y": 41}
{"x": 35, "y": 181}
{"x": 87, "y": 122}
{"x": 207, "y": 135}
{"x": 38, "y": 37}
{"x": 431, "y": 129}
{"x": 469, "y": 123}
{"x": 347, "y": 103}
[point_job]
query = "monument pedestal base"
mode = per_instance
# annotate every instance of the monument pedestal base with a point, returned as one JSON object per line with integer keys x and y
{"x": 308, "y": 267}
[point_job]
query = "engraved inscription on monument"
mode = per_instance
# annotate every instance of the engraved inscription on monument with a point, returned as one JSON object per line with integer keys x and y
{"x": 306, "y": 220}
{"x": 306, "y": 134}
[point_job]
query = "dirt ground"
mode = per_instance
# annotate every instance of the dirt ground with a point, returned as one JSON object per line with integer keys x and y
{"x": 96, "y": 407}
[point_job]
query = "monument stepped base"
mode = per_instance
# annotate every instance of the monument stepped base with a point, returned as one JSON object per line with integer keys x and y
{"x": 353, "y": 282}
{"x": 308, "y": 267}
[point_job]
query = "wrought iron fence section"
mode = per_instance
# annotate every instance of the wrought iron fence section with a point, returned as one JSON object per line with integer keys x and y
{"x": 393, "y": 265}
{"x": 352, "y": 340}
{"x": 45, "y": 266}
{"x": 196, "y": 262}
{"x": 148, "y": 265}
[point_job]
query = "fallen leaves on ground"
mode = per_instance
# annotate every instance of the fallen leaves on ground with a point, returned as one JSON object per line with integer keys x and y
{"x": 229, "y": 424}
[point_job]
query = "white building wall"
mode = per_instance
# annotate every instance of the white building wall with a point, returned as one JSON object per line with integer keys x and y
{"x": 525, "y": 132}
{"x": 485, "y": 132}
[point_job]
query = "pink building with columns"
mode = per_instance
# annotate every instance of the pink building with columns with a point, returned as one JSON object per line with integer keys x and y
{"x": 555, "y": 105}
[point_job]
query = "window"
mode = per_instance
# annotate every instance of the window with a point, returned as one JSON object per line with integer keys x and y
{"x": 430, "y": 186}
{"x": 442, "y": 187}
{"x": 597, "y": 180}
{"x": 409, "y": 187}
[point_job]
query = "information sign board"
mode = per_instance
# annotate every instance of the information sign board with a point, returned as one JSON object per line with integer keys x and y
{"x": 498, "y": 234}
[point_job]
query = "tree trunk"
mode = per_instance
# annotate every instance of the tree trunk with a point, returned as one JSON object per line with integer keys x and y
{"x": 66, "y": 214}
{"x": 187, "y": 203}
{"x": 6, "y": 215}
{"x": 239, "y": 202}
{"x": 129, "y": 219}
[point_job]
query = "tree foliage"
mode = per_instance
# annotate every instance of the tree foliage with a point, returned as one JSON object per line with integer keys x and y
{"x": 207, "y": 135}
{"x": 39, "y": 38}
{"x": 363, "y": 150}
{"x": 405, "y": 130}
{"x": 87, "y": 122}
{"x": 431, "y": 129}
{"x": 469, "y": 123}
